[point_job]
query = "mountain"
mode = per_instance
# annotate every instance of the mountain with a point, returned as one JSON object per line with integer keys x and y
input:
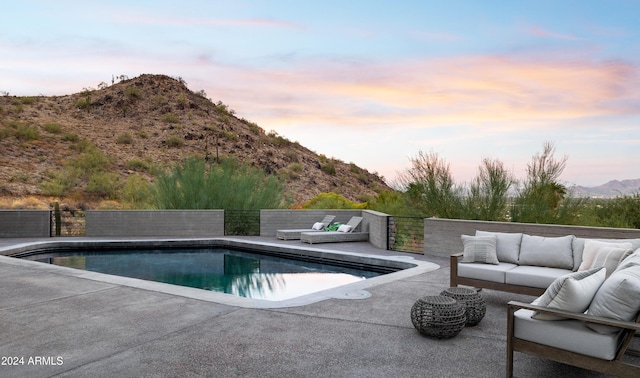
{"x": 613, "y": 188}
{"x": 150, "y": 122}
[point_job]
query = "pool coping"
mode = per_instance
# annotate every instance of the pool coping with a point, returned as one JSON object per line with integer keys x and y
{"x": 356, "y": 290}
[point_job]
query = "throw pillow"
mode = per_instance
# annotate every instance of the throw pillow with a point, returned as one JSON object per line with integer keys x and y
{"x": 507, "y": 245}
{"x": 480, "y": 249}
{"x": 629, "y": 261}
{"x": 549, "y": 252}
{"x": 617, "y": 298}
{"x": 344, "y": 228}
{"x": 572, "y": 292}
{"x": 317, "y": 226}
{"x": 594, "y": 250}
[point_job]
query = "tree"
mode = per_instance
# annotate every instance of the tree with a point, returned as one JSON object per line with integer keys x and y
{"x": 487, "y": 199}
{"x": 542, "y": 198}
{"x": 430, "y": 187}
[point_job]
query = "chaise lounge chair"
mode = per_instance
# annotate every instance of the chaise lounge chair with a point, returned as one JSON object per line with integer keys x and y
{"x": 345, "y": 233}
{"x": 294, "y": 234}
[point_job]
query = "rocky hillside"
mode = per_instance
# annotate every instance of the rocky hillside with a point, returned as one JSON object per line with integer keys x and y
{"x": 149, "y": 123}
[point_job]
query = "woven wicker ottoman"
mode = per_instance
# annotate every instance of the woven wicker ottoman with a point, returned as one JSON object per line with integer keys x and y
{"x": 472, "y": 300}
{"x": 438, "y": 316}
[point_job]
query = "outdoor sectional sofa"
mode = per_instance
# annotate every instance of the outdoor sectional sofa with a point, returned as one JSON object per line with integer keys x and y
{"x": 525, "y": 264}
{"x": 589, "y": 307}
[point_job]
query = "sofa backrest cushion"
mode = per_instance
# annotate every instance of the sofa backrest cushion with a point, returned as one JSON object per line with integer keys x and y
{"x": 609, "y": 255}
{"x": 549, "y": 252}
{"x": 617, "y": 298}
{"x": 578, "y": 247}
{"x": 507, "y": 245}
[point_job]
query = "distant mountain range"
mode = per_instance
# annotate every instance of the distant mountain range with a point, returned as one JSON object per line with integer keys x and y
{"x": 613, "y": 188}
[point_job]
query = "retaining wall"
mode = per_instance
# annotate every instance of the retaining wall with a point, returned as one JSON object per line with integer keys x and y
{"x": 176, "y": 223}
{"x": 442, "y": 236}
{"x": 25, "y": 223}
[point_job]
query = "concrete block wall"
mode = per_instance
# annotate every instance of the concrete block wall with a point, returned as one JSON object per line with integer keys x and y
{"x": 174, "y": 223}
{"x": 442, "y": 236}
{"x": 378, "y": 230}
{"x": 25, "y": 223}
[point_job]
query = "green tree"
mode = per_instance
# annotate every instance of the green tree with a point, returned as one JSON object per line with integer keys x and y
{"x": 542, "y": 198}
{"x": 488, "y": 193}
{"x": 430, "y": 187}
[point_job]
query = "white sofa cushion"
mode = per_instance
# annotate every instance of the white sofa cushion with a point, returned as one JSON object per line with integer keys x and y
{"x": 507, "y": 245}
{"x": 534, "y": 276}
{"x": 572, "y": 292}
{"x": 543, "y": 251}
{"x": 487, "y": 272}
{"x": 607, "y": 255}
{"x": 578, "y": 247}
{"x": 617, "y": 298}
{"x": 571, "y": 335}
{"x": 480, "y": 249}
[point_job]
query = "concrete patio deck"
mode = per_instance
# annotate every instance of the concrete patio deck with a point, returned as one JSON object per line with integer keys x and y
{"x": 83, "y": 327}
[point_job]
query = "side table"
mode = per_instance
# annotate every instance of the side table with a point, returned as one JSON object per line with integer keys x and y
{"x": 438, "y": 316}
{"x": 473, "y": 302}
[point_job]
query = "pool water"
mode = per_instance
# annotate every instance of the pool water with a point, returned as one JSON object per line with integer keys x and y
{"x": 223, "y": 270}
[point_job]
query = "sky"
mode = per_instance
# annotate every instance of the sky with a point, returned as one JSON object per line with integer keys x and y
{"x": 368, "y": 82}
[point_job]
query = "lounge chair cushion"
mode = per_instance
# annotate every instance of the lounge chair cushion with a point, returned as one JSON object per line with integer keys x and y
{"x": 480, "y": 249}
{"x": 617, "y": 298}
{"x": 571, "y": 335}
{"x": 572, "y": 292}
{"x": 317, "y": 226}
{"x": 507, "y": 245}
{"x": 549, "y": 252}
{"x": 344, "y": 228}
{"x": 598, "y": 253}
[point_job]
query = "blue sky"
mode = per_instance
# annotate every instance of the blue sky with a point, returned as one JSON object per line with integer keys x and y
{"x": 368, "y": 82}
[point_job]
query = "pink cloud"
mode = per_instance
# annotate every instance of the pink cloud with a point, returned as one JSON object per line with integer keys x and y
{"x": 540, "y": 32}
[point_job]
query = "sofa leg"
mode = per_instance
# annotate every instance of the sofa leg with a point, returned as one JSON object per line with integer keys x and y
{"x": 509, "y": 367}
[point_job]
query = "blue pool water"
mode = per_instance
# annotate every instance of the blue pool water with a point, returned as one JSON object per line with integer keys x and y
{"x": 223, "y": 270}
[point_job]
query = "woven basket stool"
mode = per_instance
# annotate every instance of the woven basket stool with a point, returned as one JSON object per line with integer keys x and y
{"x": 438, "y": 316}
{"x": 472, "y": 300}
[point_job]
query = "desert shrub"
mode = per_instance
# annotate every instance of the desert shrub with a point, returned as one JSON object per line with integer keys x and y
{"x": 622, "y": 211}
{"x": 331, "y": 201}
{"x": 28, "y": 100}
{"x": 103, "y": 184}
{"x": 229, "y": 135}
{"x": 228, "y": 185}
{"x": 293, "y": 171}
{"x": 253, "y": 127}
{"x": 70, "y": 137}
{"x": 27, "y": 132}
{"x": 124, "y": 138}
{"x": 174, "y": 141}
{"x": 136, "y": 192}
{"x": 53, "y": 128}
{"x": 90, "y": 161}
{"x": 84, "y": 103}
{"x": 60, "y": 182}
{"x": 139, "y": 165}
{"x": 132, "y": 92}
{"x": 170, "y": 118}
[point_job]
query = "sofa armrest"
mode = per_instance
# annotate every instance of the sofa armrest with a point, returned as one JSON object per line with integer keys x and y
{"x": 633, "y": 326}
{"x": 453, "y": 268}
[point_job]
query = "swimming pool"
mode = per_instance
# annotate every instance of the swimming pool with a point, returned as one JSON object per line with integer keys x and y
{"x": 224, "y": 270}
{"x": 385, "y": 268}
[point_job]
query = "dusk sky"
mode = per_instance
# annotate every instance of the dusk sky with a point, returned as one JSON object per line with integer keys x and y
{"x": 368, "y": 82}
